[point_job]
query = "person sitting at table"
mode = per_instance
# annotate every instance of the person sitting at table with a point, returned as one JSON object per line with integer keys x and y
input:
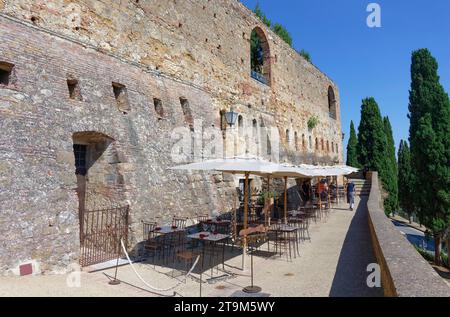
{"x": 322, "y": 190}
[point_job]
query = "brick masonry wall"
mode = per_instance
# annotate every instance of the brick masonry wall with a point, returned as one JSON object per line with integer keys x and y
{"x": 198, "y": 50}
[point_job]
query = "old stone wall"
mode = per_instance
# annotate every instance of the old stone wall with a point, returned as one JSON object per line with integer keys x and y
{"x": 164, "y": 52}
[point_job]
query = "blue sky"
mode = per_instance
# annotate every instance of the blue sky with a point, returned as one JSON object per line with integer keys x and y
{"x": 367, "y": 61}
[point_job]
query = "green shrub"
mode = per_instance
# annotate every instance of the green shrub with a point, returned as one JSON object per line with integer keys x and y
{"x": 305, "y": 55}
{"x": 313, "y": 122}
{"x": 425, "y": 254}
{"x": 444, "y": 258}
{"x": 430, "y": 256}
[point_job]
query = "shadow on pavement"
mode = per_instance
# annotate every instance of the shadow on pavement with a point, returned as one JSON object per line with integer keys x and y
{"x": 356, "y": 255}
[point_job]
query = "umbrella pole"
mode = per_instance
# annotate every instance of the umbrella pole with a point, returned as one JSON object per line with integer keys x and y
{"x": 235, "y": 234}
{"x": 285, "y": 200}
{"x": 244, "y": 251}
{"x": 320, "y": 197}
{"x": 268, "y": 197}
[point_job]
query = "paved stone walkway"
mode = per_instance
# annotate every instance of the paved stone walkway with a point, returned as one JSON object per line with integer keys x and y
{"x": 333, "y": 264}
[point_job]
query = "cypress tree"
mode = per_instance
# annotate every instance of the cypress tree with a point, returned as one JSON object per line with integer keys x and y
{"x": 391, "y": 181}
{"x": 405, "y": 188}
{"x": 429, "y": 108}
{"x": 372, "y": 144}
{"x": 352, "y": 155}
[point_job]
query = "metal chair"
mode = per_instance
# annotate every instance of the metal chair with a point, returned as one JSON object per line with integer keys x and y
{"x": 148, "y": 230}
{"x": 180, "y": 223}
{"x": 152, "y": 242}
{"x": 202, "y": 218}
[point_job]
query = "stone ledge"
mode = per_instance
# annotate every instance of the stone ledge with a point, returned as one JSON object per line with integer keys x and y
{"x": 404, "y": 272}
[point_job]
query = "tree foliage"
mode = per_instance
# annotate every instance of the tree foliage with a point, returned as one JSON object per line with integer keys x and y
{"x": 277, "y": 28}
{"x": 257, "y": 54}
{"x": 429, "y": 134}
{"x": 262, "y": 16}
{"x": 391, "y": 182}
{"x": 373, "y": 145}
{"x": 352, "y": 154}
{"x": 306, "y": 55}
{"x": 282, "y": 32}
{"x": 405, "y": 186}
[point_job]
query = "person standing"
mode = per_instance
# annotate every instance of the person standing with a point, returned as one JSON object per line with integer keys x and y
{"x": 351, "y": 194}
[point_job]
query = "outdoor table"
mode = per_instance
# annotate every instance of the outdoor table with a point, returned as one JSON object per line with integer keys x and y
{"x": 311, "y": 211}
{"x": 213, "y": 239}
{"x": 286, "y": 231}
{"x": 168, "y": 230}
{"x": 217, "y": 223}
{"x": 296, "y": 213}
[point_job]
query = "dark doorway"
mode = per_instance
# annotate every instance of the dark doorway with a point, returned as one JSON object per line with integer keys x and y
{"x": 103, "y": 215}
{"x": 242, "y": 189}
{"x": 80, "y": 152}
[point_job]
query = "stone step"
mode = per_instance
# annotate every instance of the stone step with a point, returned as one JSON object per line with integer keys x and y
{"x": 108, "y": 265}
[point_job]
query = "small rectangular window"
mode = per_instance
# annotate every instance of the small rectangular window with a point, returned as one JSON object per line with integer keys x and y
{"x": 74, "y": 89}
{"x": 187, "y": 111}
{"x": 158, "y": 108}
{"x": 5, "y": 73}
{"x": 80, "y": 152}
{"x": 120, "y": 93}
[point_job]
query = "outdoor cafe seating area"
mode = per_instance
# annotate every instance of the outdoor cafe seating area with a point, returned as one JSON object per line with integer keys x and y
{"x": 211, "y": 237}
{"x": 268, "y": 229}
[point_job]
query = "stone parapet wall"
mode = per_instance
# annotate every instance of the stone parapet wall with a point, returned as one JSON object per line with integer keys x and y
{"x": 404, "y": 271}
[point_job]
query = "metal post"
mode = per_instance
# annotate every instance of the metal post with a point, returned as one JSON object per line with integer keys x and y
{"x": 269, "y": 197}
{"x": 252, "y": 289}
{"x": 285, "y": 200}
{"x": 244, "y": 251}
{"x": 115, "y": 281}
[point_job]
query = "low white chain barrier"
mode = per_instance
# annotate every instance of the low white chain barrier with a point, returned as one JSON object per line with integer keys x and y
{"x": 150, "y": 286}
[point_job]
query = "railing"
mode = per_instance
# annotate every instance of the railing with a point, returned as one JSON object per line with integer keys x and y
{"x": 101, "y": 232}
{"x": 259, "y": 77}
{"x": 404, "y": 273}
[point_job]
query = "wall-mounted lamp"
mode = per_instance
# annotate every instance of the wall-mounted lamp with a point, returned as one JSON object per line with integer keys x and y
{"x": 231, "y": 117}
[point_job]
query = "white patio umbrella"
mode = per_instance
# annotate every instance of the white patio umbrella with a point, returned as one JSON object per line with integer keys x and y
{"x": 322, "y": 171}
{"x": 236, "y": 165}
{"x": 248, "y": 165}
{"x": 256, "y": 166}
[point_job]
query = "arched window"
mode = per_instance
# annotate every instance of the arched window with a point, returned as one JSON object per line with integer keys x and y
{"x": 255, "y": 128}
{"x": 303, "y": 142}
{"x": 317, "y": 144}
{"x": 337, "y": 149}
{"x": 310, "y": 143}
{"x": 296, "y": 140}
{"x": 332, "y": 147}
{"x": 331, "y": 103}
{"x": 323, "y": 144}
{"x": 328, "y": 146}
{"x": 260, "y": 56}
{"x": 288, "y": 137}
